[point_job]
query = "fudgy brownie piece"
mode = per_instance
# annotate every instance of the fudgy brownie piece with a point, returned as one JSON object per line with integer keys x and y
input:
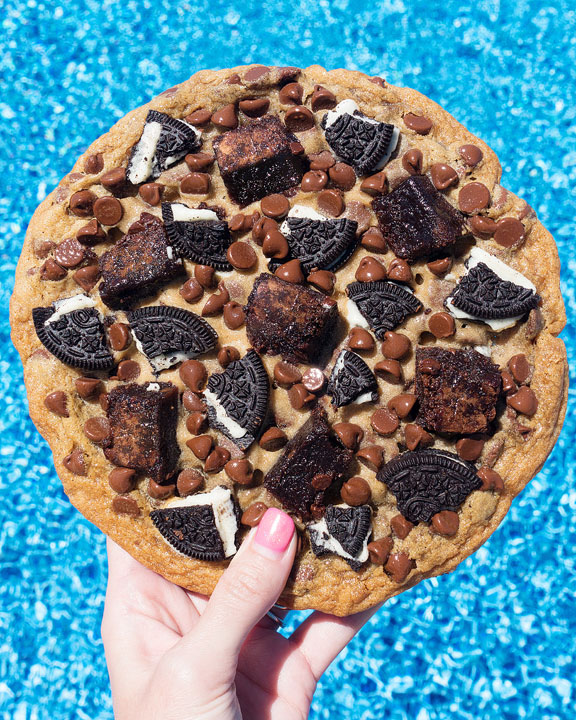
{"x": 416, "y": 220}
{"x": 138, "y": 264}
{"x": 312, "y": 462}
{"x": 258, "y": 159}
{"x": 457, "y": 390}
{"x": 291, "y": 320}
{"x": 143, "y": 426}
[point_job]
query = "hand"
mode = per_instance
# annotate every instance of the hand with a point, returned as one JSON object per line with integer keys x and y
{"x": 176, "y": 655}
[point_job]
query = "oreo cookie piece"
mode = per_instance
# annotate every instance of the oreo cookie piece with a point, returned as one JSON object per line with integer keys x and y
{"x": 425, "y": 482}
{"x": 351, "y": 381}
{"x": 164, "y": 142}
{"x": 417, "y": 220}
{"x": 197, "y": 234}
{"x": 138, "y": 264}
{"x": 257, "y": 159}
{"x": 457, "y": 390}
{"x": 290, "y": 320}
{"x": 492, "y": 292}
{"x": 237, "y": 399}
{"x": 202, "y": 526}
{"x": 71, "y": 329}
{"x": 168, "y": 335}
{"x": 312, "y": 462}
{"x": 143, "y": 420}
{"x": 319, "y": 243}
{"x": 343, "y": 531}
{"x": 362, "y": 142}
{"x": 381, "y": 305}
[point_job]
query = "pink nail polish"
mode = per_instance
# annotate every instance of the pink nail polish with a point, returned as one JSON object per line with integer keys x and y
{"x": 275, "y": 530}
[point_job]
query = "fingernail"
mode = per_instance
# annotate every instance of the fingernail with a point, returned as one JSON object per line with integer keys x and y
{"x": 274, "y": 531}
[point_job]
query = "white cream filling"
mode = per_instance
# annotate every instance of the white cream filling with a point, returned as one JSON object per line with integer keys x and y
{"x": 140, "y": 167}
{"x": 236, "y": 431}
{"x": 483, "y": 350}
{"x": 162, "y": 362}
{"x": 391, "y": 147}
{"x": 153, "y": 387}
{"x": 68, "y": 305}
{"x": 353, "y": 315}
{"x": 323, "y": 538}
{"x": 365, "y": 397}
{"x": 182, "y": 213}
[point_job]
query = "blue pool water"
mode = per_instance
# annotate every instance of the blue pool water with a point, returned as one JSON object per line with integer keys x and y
{"x": 496, "y": 639}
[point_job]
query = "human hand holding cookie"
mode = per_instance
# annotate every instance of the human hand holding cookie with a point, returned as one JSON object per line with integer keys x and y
{"x": 176, "y": 654}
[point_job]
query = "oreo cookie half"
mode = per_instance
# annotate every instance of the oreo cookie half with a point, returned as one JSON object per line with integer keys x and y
{"x": 73, "y": 332}
{"x": 383, "y": 305}
{"x": 343, "y": 531}
{"x": 425, "y": 482}
{"x": 362, "y": 142}
{"x": 201, "y": 526}
{"x": 168, "y": 335}
{"x": 237, "y": 399}
{"x": 351, "y": 381}
{"x": 197, "y": 235}
{"x": 492, "y": 292}
{"x": 164, "y": 141}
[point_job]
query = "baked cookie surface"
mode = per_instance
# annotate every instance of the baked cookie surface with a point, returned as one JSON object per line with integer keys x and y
{"x": 292, "y": 288}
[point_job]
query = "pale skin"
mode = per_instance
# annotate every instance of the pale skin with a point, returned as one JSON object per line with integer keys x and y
{"x": 176, "y": 655}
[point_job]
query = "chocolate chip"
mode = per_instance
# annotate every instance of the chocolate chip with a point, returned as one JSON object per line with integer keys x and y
{"x": 291, "y": 272}
{"x": 160, "y": 492}
{"x": 216, "y": 302}
{"x": 199, "y": 161}
{"x": 509, "y": 232}
{"x": 240, "y": 471}
{"x": 57, "y": 402}
{"x": 322, "y": 99}
{"x": 286, "y": 374}
{"x": 201, "y": 446}
{"x": 402, "y": 404}
{"x": 291, "y": 94}
{"x": 379, "y": 550}
{"x": 508, "y": 384}
{"x": 88, "y": 387}
{"x": 491, "y": 480}
{"x": 372, "y": 456}
{"x": 360, "y": 339}
{"x": 122, "y": 480}
{"x": 356, "y": 491}
{"x": 388, "y": 369}
{"x": 256, "y": 73}
{"x": 441, "y": 325}
{"x": 87, "y": 277}
{"x": 192, "y": 402}
{"x": 523, "y": 401}
{"x": 114, "y": 180}
{"x": 314, "y": 181}
{"x": 373, "y": 240}
{"x": 217, "y": 459}
{"x": 349, "y": 434}
{"x": 205, "y": 274}
{"x": 91, "y": 234}
{"x": 193, "y": 374}
{"x": 195, "y": 183}
{"x": 273, "y": 439}
{"x": 253, "y": 514}
{"x": 226, "y": 117}
{"x": 384, "y": 422}
{"x": 440, "y": 267}
{"x": 75, "y": 462}
{"x": 343, "y": 176}
{"x": 473, "y": 197}
{"x": 196, "y": 423}
{"x": 275, "y": 206}
{"x": 443, "y": 176}
{"x": 321, "y": 161}
{"x": 370, "y": 269}
{"x": 469, "y": 448}
{"x": 120, "y": 336}
{"x": 482, "y": 226}
{"x": 81, "y": 203}
{"x": 520, "y": 368}
{"x": 395, "y": 345}
{"x": 97, "y": 429}
{"x": 191, "y": 291}
{"x": 234, "y": 315}
{"x": 331, "y": 202}
{"x": 241, "y": 255}
{"x": 255, "y": 107}
{"x": 400, "y": 526}
{"x": 108, "y": 210}
{"x": 300, "y": 397}
{"x": 128, "y": 370}
{"x": 50, "y": 270}
{"x": 299, "y": 119}
{"x": 199, "y": 117}
{"x": 412, "y": 161}
{"x": 446, "y": 523}
{"x": 242, "y": 223}
{"x": 126, "y": 506}
{"x": 375, "y": 184}
{"x": 419, "y": 123}
{"x": 189, "y": 481}
{"x": 275, "y": 245}
{"x": 399, "y": 271}
{"x": 314, "y": 380}
{"x": 94, "y": 164}
{"x": 399, "y": 565}
{"x": 471, "y": 154}
{"x": 227, "y": 355}
{"x": 415, "y": 436}
{"x": 70, "y": 253}
{"x": 323, "y": 280}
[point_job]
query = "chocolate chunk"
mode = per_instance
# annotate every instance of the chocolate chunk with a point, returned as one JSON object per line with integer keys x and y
{"x": 425, "y": 482}
{"x": 384, "y": 304}
{"x": 237, "y": 399}
{"x": 313, "y": 449}
{"x": 71, "y": 329}
{"x": 201, "y": 526}
{"x": 417, "y": 220}
{"x": 290, "y": 320}
{"x": 198, "y": 235}
{"x": 362, "y": 142}
{"x": 343, "y": 531}
{"x": 351, "y": 381}
{"x": 457, "y": 390}
{"x": 167, "y": 334}
{"x": 256, "y": 160}
{"x": 164, "y": 142}
{"x": 138, "y": 265}
{"x": 143, "y": 421}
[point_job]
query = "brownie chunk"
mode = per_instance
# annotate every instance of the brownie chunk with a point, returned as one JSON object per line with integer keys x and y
{"x": 143, "y": 425}
{"x": 257, "y": 160}
{"x": 291, "y": 320}
{"x": 457, "y": 390}
{"x": 416, "y": 220}
{"x": 138, "y": 264}
{"x": 312, "y": 462}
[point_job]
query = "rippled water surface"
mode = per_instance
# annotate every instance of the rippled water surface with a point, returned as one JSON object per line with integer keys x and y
{"x": 496, "y": 639}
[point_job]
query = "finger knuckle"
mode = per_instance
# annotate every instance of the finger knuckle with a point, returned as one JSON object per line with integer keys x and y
{"x": 246, "y": 584}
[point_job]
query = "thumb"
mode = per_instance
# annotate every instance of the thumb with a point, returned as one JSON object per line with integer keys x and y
{"x": 246, "y": 591}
